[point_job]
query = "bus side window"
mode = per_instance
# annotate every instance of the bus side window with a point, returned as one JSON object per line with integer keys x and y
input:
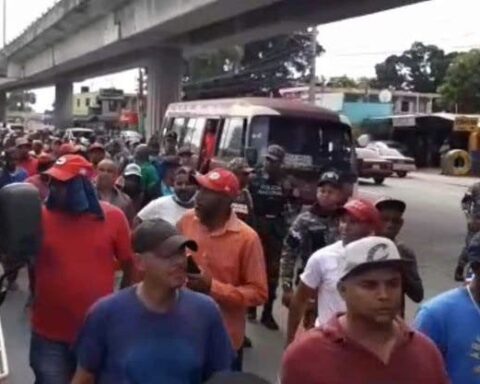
{"x": 233, "y": 138}
{"x": 179, "y": 127}
{"x": 197, "y": 135}
{"x": 259, "y": 133}
{"x": 191, "y": 136}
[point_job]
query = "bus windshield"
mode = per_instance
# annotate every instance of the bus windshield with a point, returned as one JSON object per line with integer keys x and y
{"x": 309, "y": 142}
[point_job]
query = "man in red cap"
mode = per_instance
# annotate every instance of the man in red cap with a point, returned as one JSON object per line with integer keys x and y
{"x": 359, "y": 219}
{"x": 66, "y": 149}
{"x": 82, "y": 238}
{"x": 229, "y": 255}
{"x": 40, "y": 181}
{"x": 96, "y": 153}
{"x": 25, "y": 159}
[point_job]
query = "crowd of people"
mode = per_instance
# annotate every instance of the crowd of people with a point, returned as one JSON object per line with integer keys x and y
{"x": 149, "y": 270}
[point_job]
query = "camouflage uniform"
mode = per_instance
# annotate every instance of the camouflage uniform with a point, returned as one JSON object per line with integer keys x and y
{"x": 471, "y": 208}
{"x": 310, "y": 231}
{"x": 243, "y": 203}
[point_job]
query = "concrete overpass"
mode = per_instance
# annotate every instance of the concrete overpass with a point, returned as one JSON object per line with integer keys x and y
{"x": 78, "y": 39}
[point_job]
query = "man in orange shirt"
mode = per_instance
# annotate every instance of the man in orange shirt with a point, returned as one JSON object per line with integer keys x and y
{"x": 229, "y": 255}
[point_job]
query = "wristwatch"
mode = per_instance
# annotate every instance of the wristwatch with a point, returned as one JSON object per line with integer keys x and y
{"x": 287, "y": 286}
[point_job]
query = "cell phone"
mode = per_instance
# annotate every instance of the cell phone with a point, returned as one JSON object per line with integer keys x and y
{"x": 192, "y": 267}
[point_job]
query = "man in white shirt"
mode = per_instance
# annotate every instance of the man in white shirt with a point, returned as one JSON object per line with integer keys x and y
{"x": 319, "y": 280}
{"x": 172, "y": 208}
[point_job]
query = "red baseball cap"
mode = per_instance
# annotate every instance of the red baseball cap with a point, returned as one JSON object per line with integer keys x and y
{"x": 220, "y": 180}
{"x": 69, "y": 166}
{"x": 362, "y": 210}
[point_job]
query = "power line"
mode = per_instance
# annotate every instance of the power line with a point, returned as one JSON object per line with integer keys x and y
{"x": 378, "y": 53}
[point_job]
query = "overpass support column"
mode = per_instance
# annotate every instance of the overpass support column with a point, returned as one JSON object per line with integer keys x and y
{"x": 3, "y": 106}
{"x": 63, "y": 104}
{"x": 164, "y": 69}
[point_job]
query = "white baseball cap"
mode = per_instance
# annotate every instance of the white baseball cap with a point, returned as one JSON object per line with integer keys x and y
{"x": 370, "y": 251}
{"x": 132, "y": 170}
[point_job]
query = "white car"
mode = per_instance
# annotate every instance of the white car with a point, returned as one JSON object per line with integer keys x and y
{"x": 73, "y": 134}
{"x": 401, "y": 164}
{"x": 131, "y": 136}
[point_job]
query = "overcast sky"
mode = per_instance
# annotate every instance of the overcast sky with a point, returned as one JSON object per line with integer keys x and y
{"x": 353, "y": 46}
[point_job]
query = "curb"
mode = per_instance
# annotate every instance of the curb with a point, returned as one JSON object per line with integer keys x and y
{"x": 449, "y": 180}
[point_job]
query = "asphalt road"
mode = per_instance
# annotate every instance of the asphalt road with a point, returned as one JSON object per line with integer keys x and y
{"x": 435, "y": 229}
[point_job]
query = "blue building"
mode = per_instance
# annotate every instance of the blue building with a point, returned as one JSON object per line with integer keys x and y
{"x": 362, "y": 104}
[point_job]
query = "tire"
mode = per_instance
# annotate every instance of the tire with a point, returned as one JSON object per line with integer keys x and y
{"x": 379, "y": 180}
{"x": 457, "y": 163}
{"x": 401, "y": 174}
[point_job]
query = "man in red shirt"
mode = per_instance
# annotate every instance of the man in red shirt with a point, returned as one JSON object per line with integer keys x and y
{"x": 369, "y": 343}
{"x": 26, "y": 160}
{"x": 82, "y": 239}
{"x": 208, "y": 146}
{"x": 40, "y": 180}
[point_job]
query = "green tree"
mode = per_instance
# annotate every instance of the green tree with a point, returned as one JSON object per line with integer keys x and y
{"x": 209, "y": 65}
{"x": 461, "y": 89}
{"x": 259, "y": 68}
{"x": 342, "y": 82}
{"x": 422, "y": 68}
{"x": 21, "y": 101}
{"x": 280, "y": 59}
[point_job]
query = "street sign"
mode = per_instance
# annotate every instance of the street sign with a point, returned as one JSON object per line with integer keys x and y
{"x": 403, "y": 121}
{"x": 465, "y": 124}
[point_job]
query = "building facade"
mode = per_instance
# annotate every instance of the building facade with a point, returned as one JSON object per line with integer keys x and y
{"x": 105, "y": 108}
{"x": 362, "y": 104}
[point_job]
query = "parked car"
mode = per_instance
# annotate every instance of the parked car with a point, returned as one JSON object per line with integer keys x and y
{"x": 401, "y": 164}
{"x": 371, "y": 165}
{"x": 392, "y": 144}
{"x": 73, "y": 134}
{"x": 131, "y": 136}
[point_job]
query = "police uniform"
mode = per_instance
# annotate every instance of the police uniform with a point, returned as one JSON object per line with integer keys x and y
{"x": 269, "y": 201}
{"x": 310, "y": 231}
{"x": 471, "y": 208}
{"x": 243, "y": 203}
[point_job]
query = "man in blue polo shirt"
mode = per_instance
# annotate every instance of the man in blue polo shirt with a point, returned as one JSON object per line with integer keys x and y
{"x": 157, "y": 331}
{"x": 452, "y": 321}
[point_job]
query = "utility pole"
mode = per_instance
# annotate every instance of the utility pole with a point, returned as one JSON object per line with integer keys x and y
{"x": 313, "y": 66}
{"x": 140, "y": 101}
{"x": 4, "y": 23}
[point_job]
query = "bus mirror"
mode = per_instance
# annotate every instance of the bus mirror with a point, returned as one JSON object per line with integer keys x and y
{"x": 251, "y": 155}
{"x": 363, "y": 140}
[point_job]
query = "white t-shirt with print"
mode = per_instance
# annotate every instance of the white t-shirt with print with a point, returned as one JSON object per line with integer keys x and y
{"x": 322, "y": 273}
{"x": 164, "y": 208}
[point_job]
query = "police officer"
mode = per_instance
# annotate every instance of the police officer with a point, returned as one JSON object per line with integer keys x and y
{"x": 269, "y": 202}
{"x": 243, "y": 204}
{"x": 311, "y": 230}
{"x": 471, "y": 208}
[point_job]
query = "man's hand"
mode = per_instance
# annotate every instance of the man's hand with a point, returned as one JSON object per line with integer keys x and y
{"x": 310, "y": 315}
{"x": 287, "y": 297}
{"x": 200, "y": 282}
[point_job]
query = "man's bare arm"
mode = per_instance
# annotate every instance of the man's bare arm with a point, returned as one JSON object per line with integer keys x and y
{"x": 303, "y": 294}
{"x": 83, "y": 377}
